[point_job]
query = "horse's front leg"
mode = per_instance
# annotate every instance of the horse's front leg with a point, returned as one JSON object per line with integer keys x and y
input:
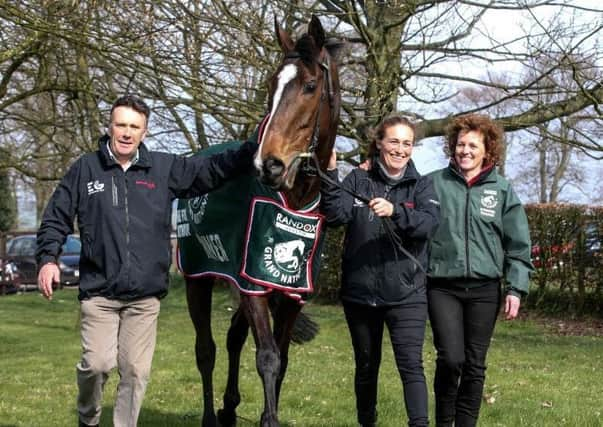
{"x": 237, "y": 334}
{"x": 285, "y": 314}
{"x": 198, "y": 297}
{"x": 267, "y": 357}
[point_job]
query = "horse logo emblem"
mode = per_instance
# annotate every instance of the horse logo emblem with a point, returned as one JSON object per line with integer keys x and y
{"x": 196, "y": 208}
{"x": 288, "y": 255}
{"x": 489, "y": 201}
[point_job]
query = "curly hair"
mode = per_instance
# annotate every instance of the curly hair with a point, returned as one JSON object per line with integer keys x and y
{"x": 378, "y": 133}
{"x": 493, "y": 135}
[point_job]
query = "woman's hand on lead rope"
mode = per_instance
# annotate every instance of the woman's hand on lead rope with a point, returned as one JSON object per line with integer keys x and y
{"x": 511, "y": 307}
{"x": 381, "y": 207}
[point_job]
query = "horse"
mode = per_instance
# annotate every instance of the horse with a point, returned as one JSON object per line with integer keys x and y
{"x": 297, "y": 136}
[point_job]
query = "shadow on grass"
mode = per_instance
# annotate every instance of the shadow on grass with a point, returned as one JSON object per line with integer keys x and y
{"x": 155, "y": 418}
{"x": 531, "y": 335}
{"x": 38, "y": 325}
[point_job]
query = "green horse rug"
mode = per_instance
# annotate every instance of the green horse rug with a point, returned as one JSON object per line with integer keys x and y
{"x": 246, "y": 233}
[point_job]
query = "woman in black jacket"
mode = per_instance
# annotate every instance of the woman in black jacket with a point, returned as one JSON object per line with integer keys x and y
{"x": 381, "y": 284}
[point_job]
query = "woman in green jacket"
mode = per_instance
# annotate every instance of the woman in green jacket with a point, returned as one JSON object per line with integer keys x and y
{"x": 481, "y": 245}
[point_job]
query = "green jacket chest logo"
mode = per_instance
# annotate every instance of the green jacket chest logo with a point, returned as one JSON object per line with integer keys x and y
{"x": 488, "y": 203}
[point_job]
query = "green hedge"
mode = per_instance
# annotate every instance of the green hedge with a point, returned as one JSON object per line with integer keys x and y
{"x": 327, "y": 286}
{"x": 567, "y": 255}
{"x": 569, "y": 266}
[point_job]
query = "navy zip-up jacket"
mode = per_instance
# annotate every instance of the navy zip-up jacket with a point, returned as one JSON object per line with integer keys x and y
{"x": 375, "y": 273}
{"x": 124, "y": 217}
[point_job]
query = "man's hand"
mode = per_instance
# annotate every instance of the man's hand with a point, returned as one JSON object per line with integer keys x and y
{"x": 366, "y": 165}
{"x": 381, "y": 207}
{"x": 512, "y": 304}
{"x": 332, "y": 161}
{"x": 49, "y": 274}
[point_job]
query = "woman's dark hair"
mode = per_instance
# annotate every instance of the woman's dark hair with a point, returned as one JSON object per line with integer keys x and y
{"x": 134, "y": 102}
{"x": 492, "y": 132}
{"x": 378, "y": 133}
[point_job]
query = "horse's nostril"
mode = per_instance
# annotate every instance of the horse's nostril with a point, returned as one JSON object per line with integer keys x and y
{"x": 273, "y": 167}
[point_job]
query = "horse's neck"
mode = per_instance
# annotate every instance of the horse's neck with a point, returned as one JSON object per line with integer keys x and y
{"x": 304, "y": 192}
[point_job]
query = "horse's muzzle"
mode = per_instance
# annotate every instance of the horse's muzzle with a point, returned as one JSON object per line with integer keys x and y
{"x": 273, "y": 173}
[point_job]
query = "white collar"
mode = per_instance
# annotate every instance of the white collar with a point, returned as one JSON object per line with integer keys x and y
{"x": 130, "y": 162}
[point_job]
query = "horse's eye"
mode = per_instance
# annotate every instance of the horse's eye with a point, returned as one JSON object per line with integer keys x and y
{"x": 310, "y": 87}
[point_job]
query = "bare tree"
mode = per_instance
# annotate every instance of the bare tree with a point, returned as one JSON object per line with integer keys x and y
{"x": 203, "y": 66}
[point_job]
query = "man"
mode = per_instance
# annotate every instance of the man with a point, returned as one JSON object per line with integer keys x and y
{"x": 122, "y": 196}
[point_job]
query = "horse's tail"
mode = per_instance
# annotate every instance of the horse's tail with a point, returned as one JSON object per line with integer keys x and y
{"x": 304, "y": 329}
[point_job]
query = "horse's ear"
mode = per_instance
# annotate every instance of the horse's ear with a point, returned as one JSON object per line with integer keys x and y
{"x": 316, "y": 31}
{"x": 284, "y": 39}
{"x": 335, "y": 47}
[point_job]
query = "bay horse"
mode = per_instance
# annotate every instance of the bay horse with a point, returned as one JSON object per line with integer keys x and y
{"x": 303, "y": 114}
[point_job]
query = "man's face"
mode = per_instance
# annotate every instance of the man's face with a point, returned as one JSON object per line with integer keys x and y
{"x": 127, "y": 129}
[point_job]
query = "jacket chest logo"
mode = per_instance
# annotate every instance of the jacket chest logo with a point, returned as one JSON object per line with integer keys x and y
{"x": 488, "y": 202}
{"x": 148, "y": 184}
{"x": 358, "y": 203}
{"x": 95, "y": 187}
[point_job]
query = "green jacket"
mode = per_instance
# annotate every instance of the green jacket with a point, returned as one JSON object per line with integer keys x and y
{"x": 483, "y": 232}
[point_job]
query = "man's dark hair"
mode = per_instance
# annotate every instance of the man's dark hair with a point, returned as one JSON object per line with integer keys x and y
{"x": 134, "y": 102}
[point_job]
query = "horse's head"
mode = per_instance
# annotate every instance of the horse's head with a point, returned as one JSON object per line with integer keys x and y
{"x": 303, "y": 104}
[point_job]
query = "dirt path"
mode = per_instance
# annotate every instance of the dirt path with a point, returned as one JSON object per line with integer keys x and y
{"x": 560, "y": 326}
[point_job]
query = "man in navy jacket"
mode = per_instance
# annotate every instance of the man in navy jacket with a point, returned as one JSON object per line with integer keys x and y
{"x": 122, "y": 197}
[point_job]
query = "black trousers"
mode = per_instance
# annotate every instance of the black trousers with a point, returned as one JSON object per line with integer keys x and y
{"x": 406, "y": 326}
{"x": 462, "y": 320}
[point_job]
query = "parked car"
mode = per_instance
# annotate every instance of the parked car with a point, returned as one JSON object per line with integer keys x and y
{"x": 20, "y": 254}
{"x": 592, "y": 240}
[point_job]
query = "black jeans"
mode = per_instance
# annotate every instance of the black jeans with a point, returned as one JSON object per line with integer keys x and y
{"x": 462, "y": 320}
{"x": 406, "y": 325}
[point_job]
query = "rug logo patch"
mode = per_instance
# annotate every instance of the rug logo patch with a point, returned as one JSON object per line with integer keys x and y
{"x": 213, "y": 247}
{"x": 293, "y": 226}
{"x": 284, "y": 260}
{"x": 196, "y": 208}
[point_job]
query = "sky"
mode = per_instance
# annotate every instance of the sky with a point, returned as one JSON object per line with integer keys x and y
{"x": 505, "y": 25}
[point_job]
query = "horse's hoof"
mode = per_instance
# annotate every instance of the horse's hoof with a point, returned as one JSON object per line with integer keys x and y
{"x": 227, "y": 418}
{"x": 209, "y": 420}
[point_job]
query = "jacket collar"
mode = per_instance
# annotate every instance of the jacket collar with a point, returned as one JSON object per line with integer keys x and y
{"x": 410, "y": 174}
{"x": 144, "y": 157}
{"x": 487, "y": 174}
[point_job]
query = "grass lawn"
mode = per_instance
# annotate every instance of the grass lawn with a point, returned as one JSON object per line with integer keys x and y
{"x": 534, "y": 379}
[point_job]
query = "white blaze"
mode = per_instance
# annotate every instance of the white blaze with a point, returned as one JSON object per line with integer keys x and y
{"x": 287, "y": 74}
